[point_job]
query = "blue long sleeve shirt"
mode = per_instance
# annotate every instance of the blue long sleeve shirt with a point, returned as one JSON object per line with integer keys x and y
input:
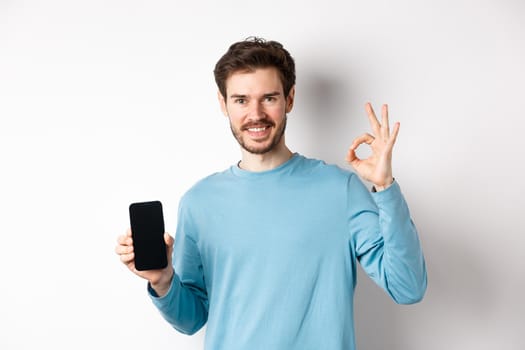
{"x": 268, "y": 259}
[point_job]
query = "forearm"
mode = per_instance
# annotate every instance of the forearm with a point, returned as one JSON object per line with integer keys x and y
{"x": 404, "y": 271}
{"x": 183, "y": 306}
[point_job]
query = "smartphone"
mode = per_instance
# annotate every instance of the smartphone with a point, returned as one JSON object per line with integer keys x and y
{"x": 147, "y": 231}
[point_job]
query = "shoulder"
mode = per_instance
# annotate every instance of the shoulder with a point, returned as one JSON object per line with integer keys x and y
{"x": 319, "y": 168}
{"x": 207, "y": 186}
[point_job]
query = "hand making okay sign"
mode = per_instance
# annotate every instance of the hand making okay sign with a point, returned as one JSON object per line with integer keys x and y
{"x": 377, "y": 168}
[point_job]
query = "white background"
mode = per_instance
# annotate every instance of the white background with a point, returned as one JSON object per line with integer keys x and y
{"x": 106, "y": 102}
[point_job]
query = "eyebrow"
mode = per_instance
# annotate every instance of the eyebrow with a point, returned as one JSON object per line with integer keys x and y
{"x": 270, "y": 94}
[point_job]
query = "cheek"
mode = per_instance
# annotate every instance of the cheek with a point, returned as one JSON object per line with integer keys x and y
{"x": 277, "y": 112}
{"x": 231, "y": 112}
{"x": 236, "y": 119}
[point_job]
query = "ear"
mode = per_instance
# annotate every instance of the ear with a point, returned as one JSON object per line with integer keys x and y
{"x": 290, "y": 99}
{"x": 222, "y": 103}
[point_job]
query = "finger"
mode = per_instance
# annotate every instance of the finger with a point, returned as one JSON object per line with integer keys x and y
{"x": 127, "y": 258}
{"x": 374, "y": 123}
{"x": 169, "y": 243}
{"x": 395, "y": 132}
{"x": 168, "y": 239}
{"x": 123, "y": 249}
{"x": 125, "y": 240}
{"x": 385, "y": 127}
{"x": 365, "y": 138}
{"x": 351, "y": 156}
{"x": 128, "y": 232}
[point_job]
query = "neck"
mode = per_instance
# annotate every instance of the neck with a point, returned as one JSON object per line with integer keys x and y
{"x": 266, "y": 161}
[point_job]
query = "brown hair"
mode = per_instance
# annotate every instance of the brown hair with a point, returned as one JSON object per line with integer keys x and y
{"x": 253, "y": 53}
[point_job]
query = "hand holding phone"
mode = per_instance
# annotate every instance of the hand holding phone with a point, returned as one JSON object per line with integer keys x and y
{"x": 147, "y": 231}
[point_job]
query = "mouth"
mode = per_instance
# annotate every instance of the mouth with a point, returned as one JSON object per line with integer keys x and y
{"x": 257, "y": 126}
{"x": 257, "y": 131}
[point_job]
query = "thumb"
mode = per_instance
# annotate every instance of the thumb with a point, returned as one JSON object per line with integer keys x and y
{"x": 168, "y": 239}
{"x": 351, "y": 157}
{"x": 169, "y": 246}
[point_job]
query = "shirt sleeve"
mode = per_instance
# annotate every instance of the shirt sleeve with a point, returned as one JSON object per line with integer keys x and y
{"x": 386, "y": 241}
{"x": 185, "y": 305}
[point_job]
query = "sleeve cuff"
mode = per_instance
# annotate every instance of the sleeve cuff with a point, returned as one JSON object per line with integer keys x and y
{"x": 392, "y": 192}
{"x": 374, "y": 190}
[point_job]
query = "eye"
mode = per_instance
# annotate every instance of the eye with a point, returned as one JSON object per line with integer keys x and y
{"x": 240, "y": 101}
{"x": 269, "y": 99}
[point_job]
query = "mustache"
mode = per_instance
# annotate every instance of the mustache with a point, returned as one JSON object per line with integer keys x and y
{"x": 257, "y": 124}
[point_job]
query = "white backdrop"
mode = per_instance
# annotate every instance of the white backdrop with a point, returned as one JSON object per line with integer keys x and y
{"x": 105, "y": 102}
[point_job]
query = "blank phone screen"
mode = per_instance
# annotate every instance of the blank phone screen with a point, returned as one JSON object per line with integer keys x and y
{"x": 147, "y": 230}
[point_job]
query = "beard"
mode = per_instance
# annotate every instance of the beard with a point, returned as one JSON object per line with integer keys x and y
{"x": 260, "y": 149}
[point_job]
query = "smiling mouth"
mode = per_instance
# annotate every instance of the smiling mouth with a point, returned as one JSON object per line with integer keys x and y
{"x": 259, "y": 129}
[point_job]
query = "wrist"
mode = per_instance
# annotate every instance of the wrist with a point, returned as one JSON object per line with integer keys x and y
{"x": 163, "y": 284}
{"x": 384, "y": 186}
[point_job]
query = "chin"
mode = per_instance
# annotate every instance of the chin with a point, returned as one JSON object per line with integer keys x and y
{"x": 258, "y": 150}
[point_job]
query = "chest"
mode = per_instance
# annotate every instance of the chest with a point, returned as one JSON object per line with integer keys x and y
{"x": 293, "y": 226}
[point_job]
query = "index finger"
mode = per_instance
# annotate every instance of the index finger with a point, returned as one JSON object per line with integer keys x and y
{"x": 374, "y": 123}
{"x": 125, "y": 239}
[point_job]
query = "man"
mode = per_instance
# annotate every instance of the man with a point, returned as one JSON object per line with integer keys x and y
{"x": 266, "y": 251}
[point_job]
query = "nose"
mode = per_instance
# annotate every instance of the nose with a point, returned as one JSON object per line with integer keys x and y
{"x": 256, "y": 110}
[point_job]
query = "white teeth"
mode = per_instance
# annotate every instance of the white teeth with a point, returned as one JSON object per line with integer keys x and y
{"x": 256, "y": 129}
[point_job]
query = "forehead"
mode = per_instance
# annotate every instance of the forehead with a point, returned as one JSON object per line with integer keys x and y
{"x": 258, "y": 81}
